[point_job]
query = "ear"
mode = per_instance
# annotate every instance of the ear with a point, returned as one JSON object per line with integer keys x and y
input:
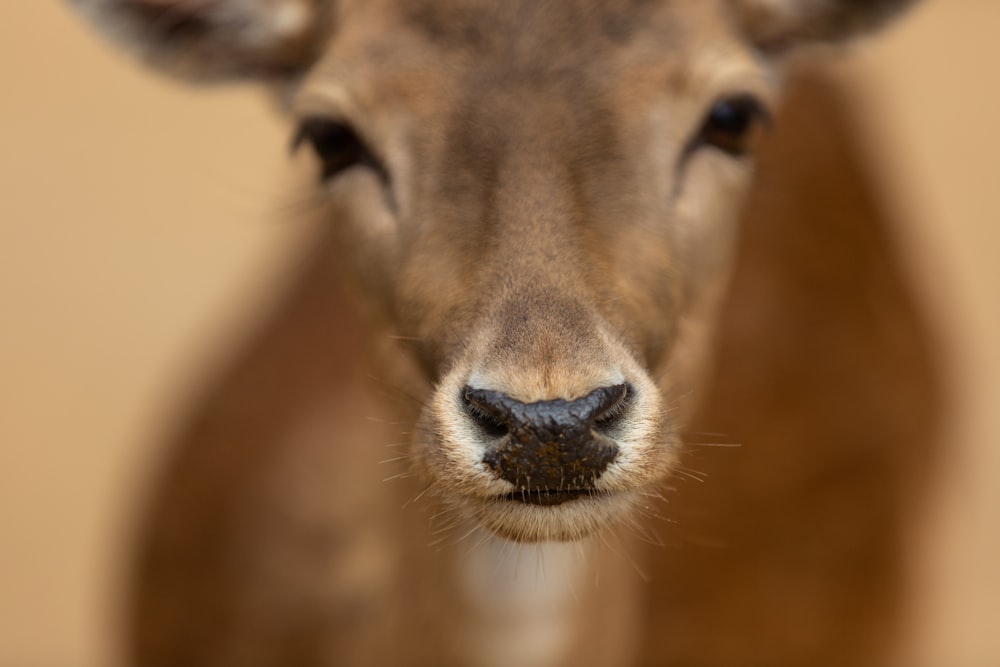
{"x": 775, "y": 25}
{"x": 217, "y": 39}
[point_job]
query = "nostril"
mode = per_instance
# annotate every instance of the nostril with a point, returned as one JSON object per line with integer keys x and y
{"x": 614, "y": 408}
{"x": 487, "y": 419}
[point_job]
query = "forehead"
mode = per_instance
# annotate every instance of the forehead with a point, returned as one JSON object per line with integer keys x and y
{"x": 428, "y": 50}
{"x": 534, "y": 36}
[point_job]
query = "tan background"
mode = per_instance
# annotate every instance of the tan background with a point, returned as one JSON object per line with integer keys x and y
{"x": 142, "y": 224}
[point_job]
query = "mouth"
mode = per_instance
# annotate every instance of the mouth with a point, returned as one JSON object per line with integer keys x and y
{"x": 538, "y": 515}
{"x": 546, "y": 497}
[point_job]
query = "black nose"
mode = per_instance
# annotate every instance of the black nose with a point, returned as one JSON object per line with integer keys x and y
{"x": 555, "y": 447}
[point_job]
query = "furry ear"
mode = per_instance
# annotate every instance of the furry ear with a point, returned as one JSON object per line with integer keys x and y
{"x": 217, "y": 39}
{"x": 775, "y": 25}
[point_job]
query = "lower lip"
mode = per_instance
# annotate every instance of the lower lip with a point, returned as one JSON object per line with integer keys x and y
{"x": 545, "y": 498}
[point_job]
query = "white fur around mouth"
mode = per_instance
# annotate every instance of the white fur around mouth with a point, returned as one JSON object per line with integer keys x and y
{"x": 514, "y": 517}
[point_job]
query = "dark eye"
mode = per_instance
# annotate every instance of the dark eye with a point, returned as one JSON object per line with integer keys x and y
{"x": 731, "y": 124}
{"x": 336, "y": 145}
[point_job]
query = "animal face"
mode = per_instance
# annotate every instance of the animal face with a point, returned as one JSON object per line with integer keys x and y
{"x": 541, "y": 197}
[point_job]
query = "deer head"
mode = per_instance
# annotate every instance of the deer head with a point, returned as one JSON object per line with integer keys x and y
{"x": 541, "y": 195}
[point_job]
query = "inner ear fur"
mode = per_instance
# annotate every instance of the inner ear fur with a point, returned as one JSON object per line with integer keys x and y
{"x": 775, "y": 25}
{"x": 211, "y": 40}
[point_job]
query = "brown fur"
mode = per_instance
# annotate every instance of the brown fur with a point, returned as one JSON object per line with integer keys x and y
{"x": 541, "y": 226}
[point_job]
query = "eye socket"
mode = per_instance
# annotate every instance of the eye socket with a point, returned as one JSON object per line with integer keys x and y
{"x": 731, "y": 124}
{"x": 336, "y": 145}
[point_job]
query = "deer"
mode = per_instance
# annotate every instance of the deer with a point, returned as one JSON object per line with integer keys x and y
{"x": 533, "y": 226}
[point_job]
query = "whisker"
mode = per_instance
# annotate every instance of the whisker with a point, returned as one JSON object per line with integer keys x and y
{"x": 417, "y": 497}
{"x": 703, "y": 434}
{"x": 480, "y": 542}
{"x": 389, "y": 422}
{"x": 690, "y": 473}
{"x": 643, "y": 532}
{"x": 507, "y": 550}
{"x": 394, "y": 393}
{"x": 466, "y": 535}
{"x": 442, "y": 532}
{"x": 540, "y": 576}
{"x": 635, "y": 566}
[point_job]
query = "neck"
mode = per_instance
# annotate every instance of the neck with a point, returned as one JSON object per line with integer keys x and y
{"x": 542, "y": 604}
{"x": 523, "y": 600}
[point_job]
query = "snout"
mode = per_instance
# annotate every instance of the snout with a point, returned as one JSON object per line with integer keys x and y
{"x": 551, "y": 434}
{"x": 550, "y": 451}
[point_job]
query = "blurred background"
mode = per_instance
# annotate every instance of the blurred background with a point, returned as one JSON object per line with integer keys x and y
{"x": 144, "y": 225}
